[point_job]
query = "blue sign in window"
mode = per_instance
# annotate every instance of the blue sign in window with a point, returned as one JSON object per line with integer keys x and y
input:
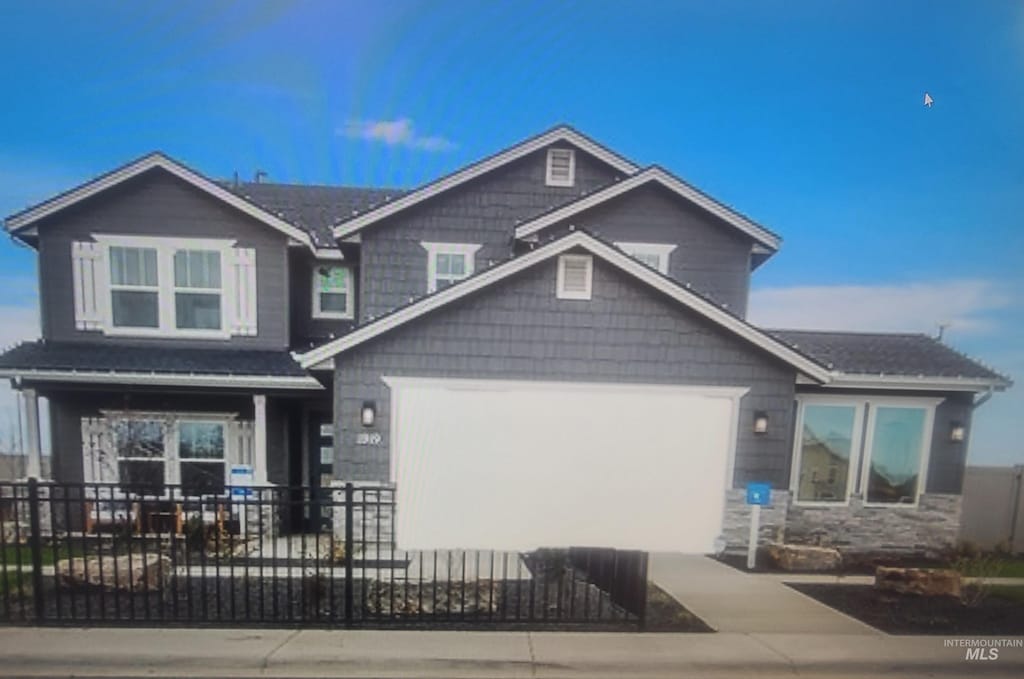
{"x": 759, "y": 494}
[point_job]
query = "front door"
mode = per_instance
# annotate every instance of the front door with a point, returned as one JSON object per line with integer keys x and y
{"x": 321, "y": 469}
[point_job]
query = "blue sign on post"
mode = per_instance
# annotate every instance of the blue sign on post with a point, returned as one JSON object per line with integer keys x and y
{"x": 241, "y": 478}
{"x": 759, "y": 494}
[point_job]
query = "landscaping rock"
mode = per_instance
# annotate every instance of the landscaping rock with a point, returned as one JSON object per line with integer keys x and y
{"x": 922, "y": 581}
{"x": 804, "y": 557}
{"x": 473, "y": 598}
{"x": 140, "y": 573}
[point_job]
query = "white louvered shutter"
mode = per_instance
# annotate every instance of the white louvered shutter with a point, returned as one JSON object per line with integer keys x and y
{"x": 575, "y": 273}
{"x": 243, "y": 278}
{"x": 87, "y": 260}
{"x": 99, "y": 459}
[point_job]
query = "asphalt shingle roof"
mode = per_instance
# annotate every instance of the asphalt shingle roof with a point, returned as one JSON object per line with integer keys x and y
{"x": 119, "y": 358}
{"x": 884, "y": 354}
{"x": 313, "y": 208}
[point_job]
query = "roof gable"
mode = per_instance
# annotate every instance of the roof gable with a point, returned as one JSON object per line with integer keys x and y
{"x": 562, "y": 133}
{"x": 654, "y": 174}
{"x": 596, "y": 247}
{"x": 21, "y": 221}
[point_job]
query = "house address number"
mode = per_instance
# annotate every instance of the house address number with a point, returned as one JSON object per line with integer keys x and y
{"x": 369, "y": 438}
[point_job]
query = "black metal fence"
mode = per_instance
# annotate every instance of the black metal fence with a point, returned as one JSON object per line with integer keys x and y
{"x": 100, "y": 554}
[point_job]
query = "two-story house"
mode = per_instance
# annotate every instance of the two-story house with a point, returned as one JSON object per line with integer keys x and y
{"x": 548, "y": 346}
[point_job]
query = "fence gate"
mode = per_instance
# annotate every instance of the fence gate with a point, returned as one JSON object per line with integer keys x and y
{"x": 100, "y": 553}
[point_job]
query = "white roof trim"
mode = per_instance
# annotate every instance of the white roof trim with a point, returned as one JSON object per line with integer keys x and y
{"x": 148, "y": 162}
{"x": 606, "y": 252}
{"x": 559, "y": 134}
{"x": 842, "y": 380}
{"x": 655, "y": 174}
{"x": 163, "y": 379}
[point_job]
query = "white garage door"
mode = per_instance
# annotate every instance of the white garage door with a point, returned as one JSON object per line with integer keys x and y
{"x": 519, "y": 465}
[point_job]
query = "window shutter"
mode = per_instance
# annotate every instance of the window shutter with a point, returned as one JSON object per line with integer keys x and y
{"x": 99, "y": 459}
{"x": 243, "y": 278}
{"x": 86, "y": 260}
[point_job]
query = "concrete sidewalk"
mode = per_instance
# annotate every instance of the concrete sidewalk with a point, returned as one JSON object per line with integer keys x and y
{"x": 546, "y": 655}
{"x": 732, "y": 601}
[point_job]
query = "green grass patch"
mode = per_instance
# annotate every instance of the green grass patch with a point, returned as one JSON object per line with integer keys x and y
{"x": 1005, "y": 567}
{"x": 51, "y": 554}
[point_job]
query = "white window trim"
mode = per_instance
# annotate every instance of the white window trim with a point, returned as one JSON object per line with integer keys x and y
{"x": 349, "y": 311}
{"x": 165, "y": 248}
{"x": 855, "y": 447}
{"x": 561, "y": 292}
{"x": 926, "y": 404}
{"x": 862, "y": 443}
{"x": 549, "y": 178}
{"x": 172, "y": 420}
{"x": 660, "y": 250}
{"x": 435, "y": 249}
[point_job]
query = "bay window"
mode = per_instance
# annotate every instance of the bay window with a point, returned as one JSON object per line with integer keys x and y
{"x": 831, "y": 462}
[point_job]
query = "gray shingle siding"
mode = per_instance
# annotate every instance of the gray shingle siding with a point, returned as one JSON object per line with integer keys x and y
{"x": 158, "y": 204}
{"x": 484, "y": 211}
{"x": 711, "y": 255}
{"x": 517, "y": 329}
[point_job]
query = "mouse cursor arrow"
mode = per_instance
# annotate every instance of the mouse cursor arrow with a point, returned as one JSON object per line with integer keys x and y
{"x": 928, "y": 101}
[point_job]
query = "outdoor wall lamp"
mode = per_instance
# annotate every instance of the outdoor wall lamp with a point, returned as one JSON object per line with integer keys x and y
{"x": 760, "y": 422}
{"x": 368, "y": 413}
{"x": 957, "y": 432}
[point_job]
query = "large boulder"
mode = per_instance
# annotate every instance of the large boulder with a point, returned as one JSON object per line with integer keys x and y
{"x": 804, "y": 557}
{"x": 922, "y": 581}
{"x": 138, "y": 573}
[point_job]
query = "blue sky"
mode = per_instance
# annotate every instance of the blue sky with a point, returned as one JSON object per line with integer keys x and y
{"x": 806, "y": 116}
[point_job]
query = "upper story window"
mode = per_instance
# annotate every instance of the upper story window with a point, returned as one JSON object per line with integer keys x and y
{"x": 164, "y": 287}
{"x": 892, "y": 459}
{"x": 654, "y": 255}
{"x": 332, "y": 292}
{"x": 134, "y": 287}
{"x": 561, "y": 167}
{"x": 197, "y": 290}
{"x": 448, "y": 263}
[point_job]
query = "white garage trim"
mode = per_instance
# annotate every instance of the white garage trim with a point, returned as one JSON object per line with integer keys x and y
{"x": 470, "y": 384}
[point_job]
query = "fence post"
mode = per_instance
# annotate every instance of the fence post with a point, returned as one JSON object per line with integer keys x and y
{"x": 642, "y": 582}
{"x": 349, "y": 555}
{"x": 36, "y": 547}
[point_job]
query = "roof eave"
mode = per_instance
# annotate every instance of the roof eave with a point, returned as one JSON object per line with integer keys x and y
{"x": 565, "y": 133}
{"x": 867, "y": 381}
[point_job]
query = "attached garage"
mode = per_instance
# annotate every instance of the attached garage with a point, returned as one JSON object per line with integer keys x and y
{"x": 524, "y": 464}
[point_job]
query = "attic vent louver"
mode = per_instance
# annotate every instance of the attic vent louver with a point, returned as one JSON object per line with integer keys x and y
{"x": 575, "y": 276}
{"x": 561, "y": 168}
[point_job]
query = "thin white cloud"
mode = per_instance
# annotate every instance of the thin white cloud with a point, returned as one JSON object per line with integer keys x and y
{"x": 966, "y": 306}
{"x": 398, "y": 132}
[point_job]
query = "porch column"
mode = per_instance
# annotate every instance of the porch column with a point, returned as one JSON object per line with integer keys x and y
{"x": 33, "y": 448}
{"x": 259, "y": 453}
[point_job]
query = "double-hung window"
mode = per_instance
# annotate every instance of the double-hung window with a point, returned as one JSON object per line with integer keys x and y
{"x": 654, "y": 255}
{"x": 161, "y": 286}
{"x": 448, "y": 263}
{"x": 134, "y": 287}
{"x": 197, "y": 290}
{"x": 201, "y": 457}
{"x": 141, "y": 448}
{"x": 332, "y": 292}
{"x": 832, "y": 460}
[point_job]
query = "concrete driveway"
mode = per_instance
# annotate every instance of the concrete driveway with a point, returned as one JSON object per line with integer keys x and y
{"x": 732, "y": 601}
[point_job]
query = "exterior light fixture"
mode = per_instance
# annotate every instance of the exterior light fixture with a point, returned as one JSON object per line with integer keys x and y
{"x": 957, "y": 432}
{"x": 368, "y": 413}
{"x": 760, "y": 422}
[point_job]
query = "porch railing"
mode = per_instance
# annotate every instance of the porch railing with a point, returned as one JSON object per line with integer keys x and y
{"x": 97, "y": 554}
